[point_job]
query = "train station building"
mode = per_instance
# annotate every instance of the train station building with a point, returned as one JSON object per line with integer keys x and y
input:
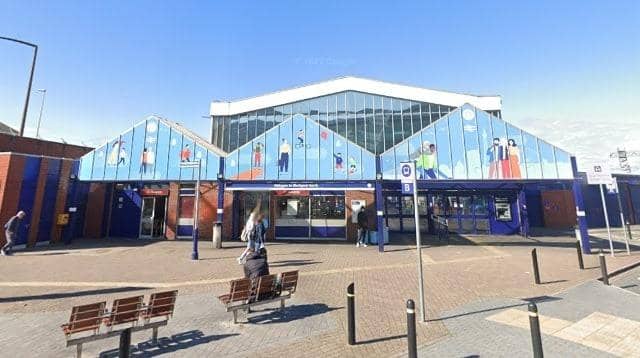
{"x": 311, "y": 156}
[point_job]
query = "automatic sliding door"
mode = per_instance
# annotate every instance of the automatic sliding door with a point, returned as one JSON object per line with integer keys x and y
{"x": 328, "y": 217}
{"x": 147, "y": 218}
{"x": 292, "y": 217}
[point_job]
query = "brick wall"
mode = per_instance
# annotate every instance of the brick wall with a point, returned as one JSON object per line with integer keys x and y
{"x": 227, "y": 218}
{"x": 12, "y": 169}
{"x": 11, "y": 143}
{"x": 172, "y": 211}
{"x": 95, "y": 211}
{"x": 207, "y": 209}
{"x": 369, "y": 197}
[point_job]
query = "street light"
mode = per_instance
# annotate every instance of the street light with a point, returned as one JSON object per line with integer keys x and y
{"x": 195, "y": 164}
{"x": 33, "y": 67}
{"x": 44, "y": 94}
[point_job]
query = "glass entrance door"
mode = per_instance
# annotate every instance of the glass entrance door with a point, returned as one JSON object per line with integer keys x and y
{"x": 328, "y": 217}
{"x": 152, "y": 217}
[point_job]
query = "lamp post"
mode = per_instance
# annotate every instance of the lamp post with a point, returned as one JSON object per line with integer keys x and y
{"x": 33, "y": 67}
{"x": 44, "y": 94}
{"x": 195, "y": 164}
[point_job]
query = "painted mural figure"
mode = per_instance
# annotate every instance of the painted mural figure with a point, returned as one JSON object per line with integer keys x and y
{"x": 257, "y": 155}
{"x": 514, "y": 159}
{"x": 285, "y": 150}
{"x": 118, "y": 154}
{"x": 185, "y": 154}
{"x": 494, "y": 159}
{"x": 339, "y": 161}
{"x": 146, "y": 160}
{"x": 300, "y": 137}
{"x": 505, "y": 165}
{"x": 427, "y": 161}
{"x": 352, "y": 165}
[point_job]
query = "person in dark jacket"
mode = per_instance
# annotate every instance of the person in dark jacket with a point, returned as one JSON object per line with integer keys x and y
{"x": 11, "y": 229}
{"x": 256, "y": 264}
{"x": 362, "y": 228}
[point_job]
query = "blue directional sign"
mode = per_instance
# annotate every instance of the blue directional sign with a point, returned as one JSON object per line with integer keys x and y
{"x": 407, "y": 188}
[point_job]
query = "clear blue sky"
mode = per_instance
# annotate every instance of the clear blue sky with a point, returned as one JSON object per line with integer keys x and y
{"x": 566, "y": 69}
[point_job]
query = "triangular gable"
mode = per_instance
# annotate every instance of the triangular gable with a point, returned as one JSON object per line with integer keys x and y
{"x": 469, "y": 144}
{"x": 300, "y": 149}
{"x": 151, "y": 151}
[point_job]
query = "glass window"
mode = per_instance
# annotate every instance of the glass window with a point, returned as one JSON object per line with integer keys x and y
{"x": 465, "y": 204}
{"x": 368, "y": 166}
{"x": 485, "y": 137}
{"x": 443, "y": 150}
{"x": 286, "y": 112}
{"x": 392, "y": 205}
{"x": 415, "y": 148}
{"x": 402, "y": 153}
{"x": 269, "y": 119}
{"x": 233, "y": 134}
{"x": 424, "y": 114}
{"x": 549, "y": 170}
{"x": 388, "y": 123}
{"x": 323, "y": 103}
{"x": 396, "y": 104}
{"x": 563, "y": 161}
{"x": 370, "y": 131}
{"x": 472, "y": 149}
{"x": 351, "y": 116}
{"x": 481, "y": 205}
{"x": 327, "y": 207}
{"x": 261, "y": 124}
{"x": 332, "y": 116}
{"x": 341, "y": 125}
{"x": 278, "y": 115}
{"x": 416, "y": 122}
{"x": 407, "y": 205}
{"x": 360, "y": 120}
{"x": 252, "y": 125}
{"x": 457, "y": 146}
{"x": 379, "y": 124}
{"x": 244, "y": 162}
{"x": 435, "y": 112}
{"x": 242, "y": 129}
{"x": 516, "y": 160}
{"x": 531, "y": 156}
{"x": 301, "y": 107}
{"x": 407, "y": 126}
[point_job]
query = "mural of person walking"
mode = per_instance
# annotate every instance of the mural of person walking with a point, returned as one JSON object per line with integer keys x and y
{"x": 514, "y": 159}
{"x": 146, "y": 160}
{"x": 285, "y": 150}
{"x": 427, "y": 162}
{"x": 185, "y": 154}
{"x": 257, "y": 154}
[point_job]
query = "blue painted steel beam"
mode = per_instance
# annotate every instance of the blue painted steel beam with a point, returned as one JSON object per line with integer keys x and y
{"x": 580, "y": 209}
{"x": 379, "y": 207}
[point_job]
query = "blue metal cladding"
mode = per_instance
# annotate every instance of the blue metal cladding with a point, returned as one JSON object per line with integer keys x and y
{"x": 470, "y": 144}
{"x": 27, "y": 196}
{"x": 47, "y": 211}
{"x": 299, "y": 148}
{"x": 150, "y": 151}
{"x": 125, "y": 213}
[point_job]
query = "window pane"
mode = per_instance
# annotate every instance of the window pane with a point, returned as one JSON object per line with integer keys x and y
{"x": 457, "y": 146}
{"x": 424, "y": 114}
{"x": 379, "y": 124}
{"x": 549, "y": 170}
{"x": 388, "y": 123}
{"x": 261, "y": 120}
{"x": 398, "y": 132}
{"x": 406, "y": 119}
{"x": 242, "y": 129}
{"x": 360, "y": 123}
{"x": 351, "y": 116}
{"x": 443, "y": 150}
{"x": 342, "y": 115}
{"x": 252, "y": 125}
{"x": 332, "y": 116}
{"x": 322, "y": 110}
{"x": 269, "y": 118}
{"x": 233, "y": 134}
{"x": 563, "y": 161}
{"x": 472, "y": 149}
{"x": 416, "y": 122}
{"x": 369, "y": 125}
{"x": 435, "y": 112}
{"x": 485, "y": 137}
{"x": 388, "y": 165}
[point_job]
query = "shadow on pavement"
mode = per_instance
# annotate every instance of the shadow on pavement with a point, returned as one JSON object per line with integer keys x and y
{"x": 383, "y": 339}
{"x": 55, "y": 296}
{"x": 168, "y": 344}
{"x": 292, "y": 313}
{"x": 293, "y": 263}
{"x": 537, "y": 299}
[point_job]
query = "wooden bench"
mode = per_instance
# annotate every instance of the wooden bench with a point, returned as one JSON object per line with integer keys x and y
{"x": 244, "y": 294}
{"x": 126, "y": 313}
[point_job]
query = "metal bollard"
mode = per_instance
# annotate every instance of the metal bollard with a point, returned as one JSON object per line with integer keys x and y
{"x": 534, "y": 325}
{"x": 580, "y": 262}
{"x": 603, "y": 268}
{"x": 411, "y": 329}
{"x": 536, "y": 269}
{"x": 628, "y": 230}
{"x": 351, "y": 315}
{"x": 125, "y": 342}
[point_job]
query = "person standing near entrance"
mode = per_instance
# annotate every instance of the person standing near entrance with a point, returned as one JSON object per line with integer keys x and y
{"x": 362, "y": 228}
{"x": 11, "y": 230}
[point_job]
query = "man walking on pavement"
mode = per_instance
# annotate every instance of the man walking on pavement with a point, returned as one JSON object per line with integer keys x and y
{"x": 11, "y": 230}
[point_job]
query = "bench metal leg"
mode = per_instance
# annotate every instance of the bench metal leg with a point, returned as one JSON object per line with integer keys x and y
{"x": 79, "y": 350}
{"x": 154, "y": 337}
{"x": 235, "y": 316}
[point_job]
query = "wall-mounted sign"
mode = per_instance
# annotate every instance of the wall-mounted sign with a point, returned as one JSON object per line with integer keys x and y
{"x": 154, "y": 192}
{"x": 73, "y": 209}
{"x": 63, "y": 219}
{"x": 599, "y": 173}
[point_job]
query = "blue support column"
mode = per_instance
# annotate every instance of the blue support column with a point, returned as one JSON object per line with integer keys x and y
{"x": 220, "y": 210}
{"x": 379, "y": 207}
{"x": 580, "y": 209}
{"x": 524, "y": 213}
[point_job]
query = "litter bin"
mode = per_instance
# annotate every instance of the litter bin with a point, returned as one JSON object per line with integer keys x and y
{"x": 373, "y": 236}
{"x": 217, "y": 235}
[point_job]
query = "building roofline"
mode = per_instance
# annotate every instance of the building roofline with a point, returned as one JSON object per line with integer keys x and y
{"x": 358, "y": 84}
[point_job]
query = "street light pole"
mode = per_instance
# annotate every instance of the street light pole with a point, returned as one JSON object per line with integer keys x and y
{"x": 44, "y": 94}
{"x": 193, "y": 165}
{"x": 33, "y": 67}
